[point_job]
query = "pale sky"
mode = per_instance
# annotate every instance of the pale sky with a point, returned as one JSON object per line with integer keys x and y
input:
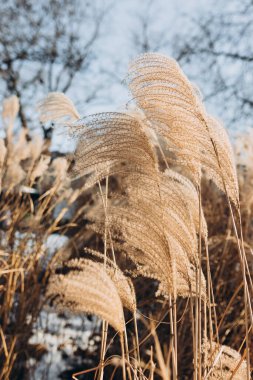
{"x": 116, "y": 44}
{"x": 116, "y": 48}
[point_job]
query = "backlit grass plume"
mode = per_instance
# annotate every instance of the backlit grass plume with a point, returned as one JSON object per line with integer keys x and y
{"x": 87, "y": 288}
{"x": 154, "y": 238}
{"x": 174, "y": 109}
{"x": 170, "y": 200}
{"x": 123, "y": 283}
{"x": 9, "y": 113}
{"x": 112, "y": 139}
{"x": 57, "y": 107}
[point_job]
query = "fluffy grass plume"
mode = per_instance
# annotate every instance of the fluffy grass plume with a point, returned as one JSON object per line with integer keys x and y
{"x": 87, "y": 288}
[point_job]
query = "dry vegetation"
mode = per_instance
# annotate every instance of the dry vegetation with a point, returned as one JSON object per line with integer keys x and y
{"x": 150, "y": 205}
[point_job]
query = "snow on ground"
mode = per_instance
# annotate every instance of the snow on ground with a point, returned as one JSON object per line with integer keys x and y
{"x": 61, "y": 335}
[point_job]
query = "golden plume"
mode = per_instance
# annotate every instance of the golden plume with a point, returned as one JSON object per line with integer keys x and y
{"x": 87, "y": 288}
{"x": 174, "y": 109}
{"x": 57, "y": 107}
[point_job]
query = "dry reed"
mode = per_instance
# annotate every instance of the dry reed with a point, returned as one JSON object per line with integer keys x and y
{"x": 148, "y": 172}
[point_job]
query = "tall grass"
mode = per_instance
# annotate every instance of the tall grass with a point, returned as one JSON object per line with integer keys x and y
{"x": 36, "y": 202}
{"x": 166, "y": 208}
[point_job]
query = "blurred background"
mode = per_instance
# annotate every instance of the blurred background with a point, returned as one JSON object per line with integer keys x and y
{"x": 83, "y": 48}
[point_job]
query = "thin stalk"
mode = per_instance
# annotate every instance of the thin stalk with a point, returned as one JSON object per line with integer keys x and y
{"x": 193, "y": 340}
{"x": 103, "y": 349}
{"x": 137, "y": 339}
{"x": 205, "y": 338}
{"x": 211, "y": 299}
{"x": 152, "y": 365}
{"x": 197, "y": 321}
{"x": 104, "y": 323}
{"x": 175, "y": 332}
{"x": 123, "y": 357}
{"x": 199, "y": 287}
{"x": 127, "y": 355}
{"x": 172, "y": 338}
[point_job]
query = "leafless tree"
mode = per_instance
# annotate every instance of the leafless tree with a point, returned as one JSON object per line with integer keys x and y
{"x": 45, "y": 44}
{"x": 148, "y": 35}
{"x": 217, "y": 46}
